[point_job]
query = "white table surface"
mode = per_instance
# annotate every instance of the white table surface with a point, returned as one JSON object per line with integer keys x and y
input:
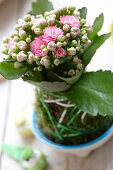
{"x": 15, "y": 94}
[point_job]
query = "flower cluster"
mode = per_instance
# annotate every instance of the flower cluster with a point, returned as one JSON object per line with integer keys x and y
{"x": 45, "y": 42}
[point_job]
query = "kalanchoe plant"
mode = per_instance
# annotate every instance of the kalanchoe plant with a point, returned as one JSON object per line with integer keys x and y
{"x": 51, "y": 51}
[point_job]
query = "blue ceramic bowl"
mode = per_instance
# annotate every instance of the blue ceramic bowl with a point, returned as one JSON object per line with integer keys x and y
{"x": 39, "y": 135}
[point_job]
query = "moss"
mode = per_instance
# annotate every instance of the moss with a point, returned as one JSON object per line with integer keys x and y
{"x": 76, "y": 132}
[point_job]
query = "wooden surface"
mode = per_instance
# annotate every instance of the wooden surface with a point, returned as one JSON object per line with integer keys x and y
{"x": 15, "y": 94}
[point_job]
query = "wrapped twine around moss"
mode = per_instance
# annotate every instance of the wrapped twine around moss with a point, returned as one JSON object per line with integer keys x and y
{"x": 64, "y": 123}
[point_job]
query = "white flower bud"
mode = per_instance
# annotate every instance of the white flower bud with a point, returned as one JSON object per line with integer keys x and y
{"x": 83, "y": 21}
{"x": 22, "y": 23}
{"x": 51, "y": 20}
{"x": 5, "y": 39}
{"x": 85, "y": 38}
{"x": 14, "y": 55}
{"x": 30, "y": 24}
{"x": 76, "y": 13}
{"x": 68, "y": 35}
{"x": 71, "y": 72}
{"x": 17, "y": 65}
{"x": 30, "y": 61}
{"x": 51, "y": 46}
{"x": 83, "y": 32}
{"x": 4, "y": 50}
{"x": 61, "y": 38}
{"x": 39, "y": 16}
{"x": 59, "y": 44}
{"x": 77, "y": 48}
{"x": 31, "y": 56}
{"x": 71, "y": 51}
{"x": 17, "y": 27}
{"x": 40, "y": 68}
{"x": 53, "y": 15}
{"x": 88, "y": 25}
{"x": 90, "y": 30}
{"x": 14, "y": 47}
{"x": 79, "y": 66}
{"x": 56, "y": 62}
{"x": 22, "y": 45}
{"x": 44, "y": 61}
{"x": 27, "y": 17}
{"x": 89, "y": 42}
{"x": 43, "y": 22}
{"x": 46, "y": 13}
{"x": 66, "y": 27}
{"x": 10, "y": 51}
{"x": 76, "y": 60}
{"x": 81, "y": 50}
{"x": 28, "y": 40}
{"x": 73, "y": 34}
{"x": 38, "y": 31}
{"x": 22, "y": 33}
{"x": 74, "y": 42}
{"x": 45, "y": 51}
{"x": 38, "y": 62}
{"x": 64, "y": 43}
{"x": 21, "y": 56}
{"x": 33, "y": 28}
{"x": 15, "y": 38}
{"x": 12, "y": 34}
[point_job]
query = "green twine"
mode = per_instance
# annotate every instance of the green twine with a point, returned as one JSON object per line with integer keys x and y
{"x": 50, "y": 117}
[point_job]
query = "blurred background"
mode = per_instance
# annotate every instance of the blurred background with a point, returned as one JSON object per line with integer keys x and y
{"x": 15, "y": 94}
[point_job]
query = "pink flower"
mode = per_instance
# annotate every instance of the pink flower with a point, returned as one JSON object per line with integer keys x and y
{"x": 71, "y": 20}
{"x": 10, "y": 44}
{"x": 51, "y": 33}
{"x": 35, "y": 46}
{"x": 59, "y": 52}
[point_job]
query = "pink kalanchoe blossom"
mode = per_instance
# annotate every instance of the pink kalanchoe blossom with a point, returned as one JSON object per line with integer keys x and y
{"x": 51, "y": 33}
{"x": 35, "y": 46}
{"x": 59, "y": 52}
{"x": 10, "y": 44}
{"x": 71, "y": 20}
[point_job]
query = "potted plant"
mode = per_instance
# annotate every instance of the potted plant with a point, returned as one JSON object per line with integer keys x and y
{"x": 73, "y": 109}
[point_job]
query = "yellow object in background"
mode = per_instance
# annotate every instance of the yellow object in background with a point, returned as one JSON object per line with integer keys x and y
{"x": 111, "y": 30}
{"x": 23, "y": 122}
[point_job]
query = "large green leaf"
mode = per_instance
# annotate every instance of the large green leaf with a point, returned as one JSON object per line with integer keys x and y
{"x": 40, "y": 6}
{"x": 93, "y": 93}
{"x": 83, "y": 12}
{"x": 97, "y": 25}
{"x": 91, "y": 49}
{"x": 8, "y": 71}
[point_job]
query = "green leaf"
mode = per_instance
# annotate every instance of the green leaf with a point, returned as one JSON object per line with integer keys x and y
{"x": 83, "y": 12}
{"x": 93, "y": 93}
{"x": 91, "y": 49}
{"x": 97, "y": 25}
{"x": 55, "y": 86}
{"x": 40, "y": 6}
{"x": 31, "y": 75}
{"x": 8, "y": 71}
